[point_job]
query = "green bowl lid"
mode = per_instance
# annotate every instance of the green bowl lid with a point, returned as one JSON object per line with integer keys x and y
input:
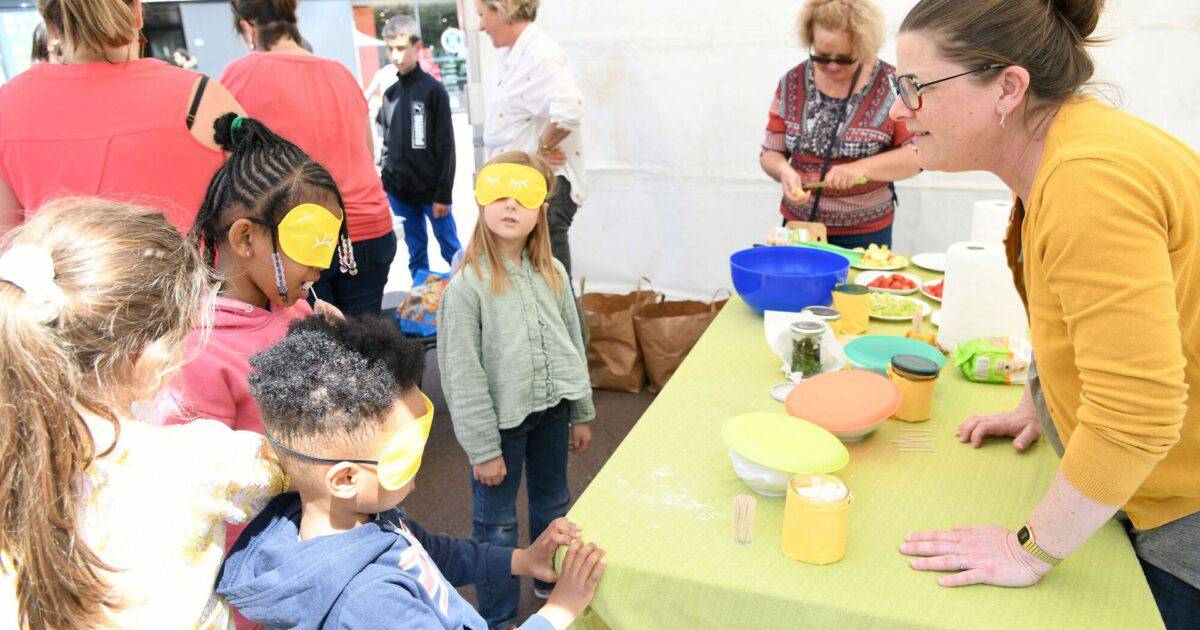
{"x": 779, "y": 441}
{"x": 875, "y": 352}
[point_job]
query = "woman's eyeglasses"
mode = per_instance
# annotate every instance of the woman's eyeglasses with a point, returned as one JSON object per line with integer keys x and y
{"x": 908, "y": 89}
{"x": 837, "y": 61}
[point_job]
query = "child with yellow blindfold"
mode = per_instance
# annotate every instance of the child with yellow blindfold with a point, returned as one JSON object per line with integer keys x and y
{"x": 271, "y": 221}
{"x": 341, "y": 550}
{"x": 511, "y": 353}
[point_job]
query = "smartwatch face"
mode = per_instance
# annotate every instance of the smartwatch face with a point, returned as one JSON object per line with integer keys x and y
{"x": 1023, "y": 535}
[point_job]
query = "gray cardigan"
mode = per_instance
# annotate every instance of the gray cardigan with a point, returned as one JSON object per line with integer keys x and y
{"x": 504, "y": 356}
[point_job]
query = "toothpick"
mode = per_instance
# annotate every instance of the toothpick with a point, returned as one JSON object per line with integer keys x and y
{"x": 743, "y": 519}
{"x": 918, "y": 315}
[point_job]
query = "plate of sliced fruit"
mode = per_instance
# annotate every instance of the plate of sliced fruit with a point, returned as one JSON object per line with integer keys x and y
{"x": 897, "y": 308}
{"x": 889, "y": 282}
{"x": 933, "y": 289}
{"x": 878, "y": 258}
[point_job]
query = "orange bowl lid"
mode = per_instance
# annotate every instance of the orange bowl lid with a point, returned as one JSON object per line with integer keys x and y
{"x": 845, "y": 400}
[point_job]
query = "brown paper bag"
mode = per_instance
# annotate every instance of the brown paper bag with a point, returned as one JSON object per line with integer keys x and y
{"x": 667, "y": 331}
{"x": 613, "y": 357}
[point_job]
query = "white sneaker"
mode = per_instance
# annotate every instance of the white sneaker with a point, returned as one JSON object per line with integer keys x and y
{"x": 540, "y": 593}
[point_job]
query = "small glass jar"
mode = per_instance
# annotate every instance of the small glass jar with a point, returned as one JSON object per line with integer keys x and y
{"x": 854, "y": 303}
{"x": 831, "y": 316}
{"x": 916, "y": 378}
{"x": 806, "y": 347}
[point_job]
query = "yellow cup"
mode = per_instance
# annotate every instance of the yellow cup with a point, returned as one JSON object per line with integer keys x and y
{"x": 916, "y": 378}
{"x": 814, "y": 532}
{"x": 854, "y": 303}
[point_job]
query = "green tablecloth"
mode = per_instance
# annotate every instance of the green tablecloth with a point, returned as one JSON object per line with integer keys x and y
{"x": 662, "y": 507}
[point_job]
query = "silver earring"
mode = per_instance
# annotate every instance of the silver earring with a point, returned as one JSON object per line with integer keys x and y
{"x": 1003, "y": 114}
{"x": 280, "y": 280}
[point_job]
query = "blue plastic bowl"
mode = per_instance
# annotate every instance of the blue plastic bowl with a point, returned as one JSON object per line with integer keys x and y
{"x": 787, "y": 278}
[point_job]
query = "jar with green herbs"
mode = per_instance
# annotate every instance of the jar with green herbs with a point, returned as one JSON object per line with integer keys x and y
{"x": 806, "y": 347}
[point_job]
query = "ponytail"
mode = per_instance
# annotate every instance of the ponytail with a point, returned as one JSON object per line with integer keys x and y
{"x": 273, "y": 19}
{"x": 92, "y": 25}
{"x": 125, "y": 285}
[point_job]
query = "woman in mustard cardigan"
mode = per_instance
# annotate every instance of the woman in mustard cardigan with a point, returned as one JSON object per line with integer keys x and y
{"x": 1103, "y": 245}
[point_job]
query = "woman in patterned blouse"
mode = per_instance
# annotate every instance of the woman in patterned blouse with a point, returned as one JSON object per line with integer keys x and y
{"x": 829, "y": 122}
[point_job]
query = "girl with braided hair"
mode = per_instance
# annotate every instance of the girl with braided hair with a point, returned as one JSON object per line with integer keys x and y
{"x": 271, "y": 222}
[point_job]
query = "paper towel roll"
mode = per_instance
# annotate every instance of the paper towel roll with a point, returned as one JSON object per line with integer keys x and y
{"x": 979, "y": 299}
{"x": 989, "y": 220}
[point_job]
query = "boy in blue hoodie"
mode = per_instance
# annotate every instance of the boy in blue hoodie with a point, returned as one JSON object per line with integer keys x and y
{"x": 341, "y": 406}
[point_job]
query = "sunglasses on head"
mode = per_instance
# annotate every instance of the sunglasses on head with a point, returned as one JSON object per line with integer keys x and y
{"x": 826, "y": 60}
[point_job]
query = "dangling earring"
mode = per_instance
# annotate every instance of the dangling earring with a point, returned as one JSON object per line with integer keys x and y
{"x": 346, "y": 262}
{"x": 280, "y": 280}
{"x": 1003, "y": 114}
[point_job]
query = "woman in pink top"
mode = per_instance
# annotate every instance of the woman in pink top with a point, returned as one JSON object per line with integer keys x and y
{"x": 102, "y": 122}
{"x": 317, "y": 104}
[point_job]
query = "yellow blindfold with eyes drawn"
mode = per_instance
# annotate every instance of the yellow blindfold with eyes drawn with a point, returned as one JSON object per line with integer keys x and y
{"x": 516, "y": 181}
{"x": 308, "y": 234}
{"x": 402, "y": 458}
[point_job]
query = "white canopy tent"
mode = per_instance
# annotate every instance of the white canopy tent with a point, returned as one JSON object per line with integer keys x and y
{"x": 677, "y": 94}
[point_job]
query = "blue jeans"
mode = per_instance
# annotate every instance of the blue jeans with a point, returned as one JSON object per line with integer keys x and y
{"x": 362, "y": 293}
{"x": 850, "y": 241}
{"x": 1178, "y": 602}
{"x": 417, "y": 239}
{"x": 539, "y": 444}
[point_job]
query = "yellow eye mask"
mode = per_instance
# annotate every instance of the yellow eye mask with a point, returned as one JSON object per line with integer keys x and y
{"x": 401, "y": 457}
{"x": 308, "y": 234}
{"x": 502, "y": 181}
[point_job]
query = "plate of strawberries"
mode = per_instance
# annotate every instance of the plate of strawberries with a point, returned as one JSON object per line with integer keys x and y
{"x": 889, "y": 282}
{"x": 933, "y": 289}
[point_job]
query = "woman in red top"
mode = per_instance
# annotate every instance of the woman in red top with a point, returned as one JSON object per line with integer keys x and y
{"x": 316, "y": 104}
{"x": 829, "y": 122}
{"x": 103, "y": 122}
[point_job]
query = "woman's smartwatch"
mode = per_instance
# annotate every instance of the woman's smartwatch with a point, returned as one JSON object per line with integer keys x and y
{"x": 1025, "y": 537}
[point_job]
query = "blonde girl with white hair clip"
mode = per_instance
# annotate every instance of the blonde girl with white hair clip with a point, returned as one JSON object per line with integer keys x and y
{"x": 106, "y": 520}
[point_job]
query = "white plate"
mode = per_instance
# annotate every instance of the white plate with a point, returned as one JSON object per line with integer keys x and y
{"x": 866, "y": 277}
{"x": 926, "y": 293}
{"x": 926, "y": 309}
{"x": 901, "y": 263}
{"x": 936, "y": 319}
{"x": 933, "y": 261}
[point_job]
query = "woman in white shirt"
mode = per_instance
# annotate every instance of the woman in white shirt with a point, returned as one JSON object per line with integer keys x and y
{"x": 535, "y": 107}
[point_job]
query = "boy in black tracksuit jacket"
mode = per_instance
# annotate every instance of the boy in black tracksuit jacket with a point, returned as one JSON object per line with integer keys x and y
{"x": 418, "y": 158}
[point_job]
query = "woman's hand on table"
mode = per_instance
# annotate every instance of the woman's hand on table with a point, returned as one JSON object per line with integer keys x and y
{"x": 1020, "y": 424}
{"x": 976, "y": 554}
{"x": 843, "y": 176}
{"x": 793, "y": 185}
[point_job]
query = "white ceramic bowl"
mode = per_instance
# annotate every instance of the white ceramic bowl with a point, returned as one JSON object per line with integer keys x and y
{"x": 765, "y": 481}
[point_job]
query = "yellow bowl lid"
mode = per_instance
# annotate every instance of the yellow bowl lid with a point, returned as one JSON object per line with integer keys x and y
{"x": 779, "y": 441}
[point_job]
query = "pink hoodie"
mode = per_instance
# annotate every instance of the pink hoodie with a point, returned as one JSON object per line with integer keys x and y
{"x": 213, "y": 384}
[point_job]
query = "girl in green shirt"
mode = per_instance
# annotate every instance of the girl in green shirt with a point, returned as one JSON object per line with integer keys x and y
{"x": 513, "y": 366}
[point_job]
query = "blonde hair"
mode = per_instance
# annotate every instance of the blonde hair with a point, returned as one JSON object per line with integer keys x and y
{"x": 132, "y": 288}
{"x": 92, "y": 25}
{"x": 861, "y": 19}
{"x": 514, "y": 10}
{"x": 537, "y": 246}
